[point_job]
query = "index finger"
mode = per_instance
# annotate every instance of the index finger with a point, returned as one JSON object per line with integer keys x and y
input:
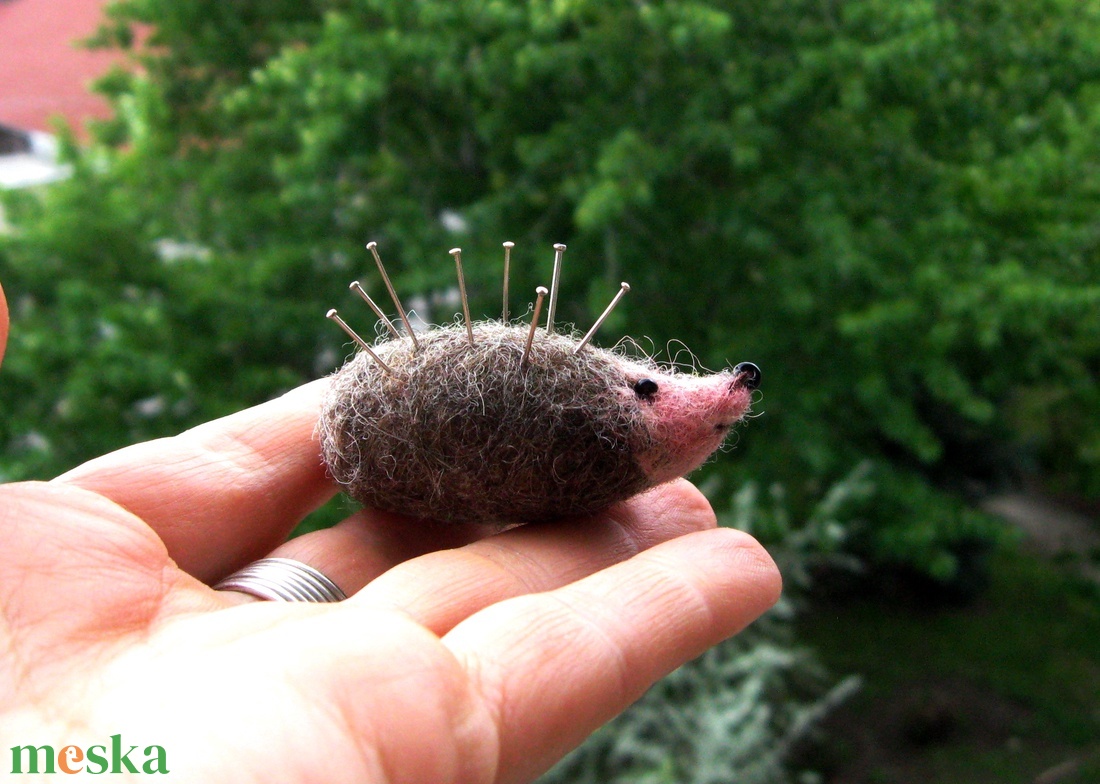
{"x": 226, "y": 492}
{"x": 552, "y": 667}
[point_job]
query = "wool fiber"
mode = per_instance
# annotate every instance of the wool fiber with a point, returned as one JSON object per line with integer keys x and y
{"x": 468, "y": 434}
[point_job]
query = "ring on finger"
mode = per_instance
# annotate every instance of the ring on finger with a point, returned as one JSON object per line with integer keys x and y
{"x": 282, "y": 580}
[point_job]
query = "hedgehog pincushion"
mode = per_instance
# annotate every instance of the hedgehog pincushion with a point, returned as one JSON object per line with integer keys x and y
{"x": 495, "y": 424}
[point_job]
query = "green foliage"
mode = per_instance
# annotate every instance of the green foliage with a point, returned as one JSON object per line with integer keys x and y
{"x": 110, "y": 344}
{"x": 887, "y": 206}
{"x": 818, "y": 542}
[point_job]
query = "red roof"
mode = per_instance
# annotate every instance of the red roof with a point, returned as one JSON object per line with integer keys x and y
{"x": 43, "y": 71}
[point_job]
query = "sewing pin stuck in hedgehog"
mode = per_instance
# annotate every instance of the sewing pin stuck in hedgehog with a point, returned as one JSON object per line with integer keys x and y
{"x": 499, "y": 422}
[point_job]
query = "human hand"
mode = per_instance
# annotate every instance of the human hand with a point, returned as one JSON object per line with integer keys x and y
{"x": 460, "y": 656}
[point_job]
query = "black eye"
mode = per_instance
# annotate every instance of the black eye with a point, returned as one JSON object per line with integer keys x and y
{"x": 645, "y": 387}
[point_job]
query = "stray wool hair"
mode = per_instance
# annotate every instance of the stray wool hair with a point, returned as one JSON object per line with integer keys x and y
{"x": 462, "y": 433}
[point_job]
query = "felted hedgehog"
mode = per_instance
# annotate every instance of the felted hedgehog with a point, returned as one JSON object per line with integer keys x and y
{"x": 501, "y": 423}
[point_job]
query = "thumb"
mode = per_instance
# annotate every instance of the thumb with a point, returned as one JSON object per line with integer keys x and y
{"x": 3, "y": 323}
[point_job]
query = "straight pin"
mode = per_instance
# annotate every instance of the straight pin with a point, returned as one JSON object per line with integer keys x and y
{"x": 457, "y": 253}
{"x": 559, "y": 249}
{"x": 358, "y": 289}
{"x": 541, "y": 294}
{"x": 332, "y": 314}
{"x": 373, "y": 248}
{"x": 623, "y": 288}
{"x": 507, "y": 261}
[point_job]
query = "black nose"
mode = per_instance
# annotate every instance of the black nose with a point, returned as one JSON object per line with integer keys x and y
{"x": 747, "y": 374}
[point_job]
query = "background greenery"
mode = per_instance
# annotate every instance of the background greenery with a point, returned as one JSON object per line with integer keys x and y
{"x": 890, "y": 207}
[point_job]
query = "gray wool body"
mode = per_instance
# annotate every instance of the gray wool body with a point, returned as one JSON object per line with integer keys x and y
{"x": 468, "y": 434}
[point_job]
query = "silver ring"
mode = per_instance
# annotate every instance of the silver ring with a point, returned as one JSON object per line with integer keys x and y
{"x": 282, "y": 580}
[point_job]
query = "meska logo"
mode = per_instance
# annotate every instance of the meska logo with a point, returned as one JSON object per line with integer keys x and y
{"x": 73, "y": 759}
